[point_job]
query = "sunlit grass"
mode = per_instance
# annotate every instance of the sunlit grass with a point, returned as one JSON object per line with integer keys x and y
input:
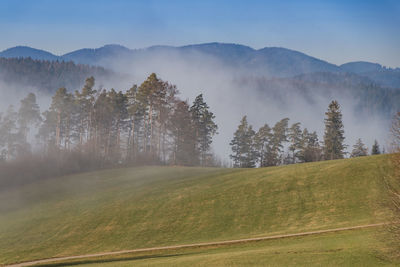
{"x": 154, "y": 206}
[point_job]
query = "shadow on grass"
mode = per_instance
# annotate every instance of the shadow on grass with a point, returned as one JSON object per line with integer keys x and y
{"x": 93, "y": 261}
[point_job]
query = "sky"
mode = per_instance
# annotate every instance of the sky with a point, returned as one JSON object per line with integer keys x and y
{"x": 335, "y": 31}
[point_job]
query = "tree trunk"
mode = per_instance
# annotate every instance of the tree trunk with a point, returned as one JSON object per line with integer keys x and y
{"x": 58, "y": 129}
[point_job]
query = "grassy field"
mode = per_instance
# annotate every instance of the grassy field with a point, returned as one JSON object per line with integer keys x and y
{"x": 155, "y": 206}
{"x": 350, "y": 248}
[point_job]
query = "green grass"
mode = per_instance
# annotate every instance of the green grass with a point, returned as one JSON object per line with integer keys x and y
{"x": 155, "y": 206}
{"x": 349, "y": 248}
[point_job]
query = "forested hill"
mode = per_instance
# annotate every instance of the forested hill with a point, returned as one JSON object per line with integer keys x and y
{"x": 47, "y": 75}
{"x": 365, "y": 96}
{"x": 370, "y": 98}
{"x": 268, "y": 61}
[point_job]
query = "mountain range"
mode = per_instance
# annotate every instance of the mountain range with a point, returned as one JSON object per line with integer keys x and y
{"x": 265, "y": 84}
{"x": 269, "y": 61}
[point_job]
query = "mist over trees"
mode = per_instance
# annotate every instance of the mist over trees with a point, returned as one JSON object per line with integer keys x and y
{"x": 148, "y": 124}
{"x": 284, "y": 144}
{"x": 48, "y": 75}
{"x": 266, "y": 147}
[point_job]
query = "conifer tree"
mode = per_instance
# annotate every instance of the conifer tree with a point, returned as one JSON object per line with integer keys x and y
{"x": 119, "y": 113}
{"x": 279, "y": 130}
{"x": 310, "y": 149}
{"x": 84, "y": 110}
{"x": 295, "y": 138}
{"x": 205, "y": 127}
{"x": 263, "y": 144}
{"x": 183, "y": 135}
{"x": 28, "y": 114}
{"x": 334, "y": 133}
{"x": 147, "y": 124}
{"x": 375, "y": 148}
{"x": 63, "y": 108}
{"x": 103, "y": 123}
{"x": 359, "y": 149}
{"x": 244, "y": 146}
{"x": 9, "y": 134}
{"x": 135, "y": 113}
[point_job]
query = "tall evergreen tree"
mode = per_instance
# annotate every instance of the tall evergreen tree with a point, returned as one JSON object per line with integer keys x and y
{"x": 9, "y": 134}
{"x": 135, "y": 113}
{"x": 375, "y": 148}
{"x": 119, "y": 112}
{"x": 28, "y": 114}
{"x": 334, "y": 133}
{"x": 63, "y": 107}
{"x": 295, "y": 137}
{"x": 84, "y": 111}
{"x": 244, "y": 146}
{"x": 263, "y": 144}
{"x": 103, "y": 123}
{"x": 278, "y": 139}
{"x": 183, "y": 135}
{"x": 205, "y": 128}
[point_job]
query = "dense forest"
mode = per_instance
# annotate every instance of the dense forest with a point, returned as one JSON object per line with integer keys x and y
{"x": 45, "y": 75}
{"x": 148, "y": 123}
{"x": 89, "y": 129}
{"x": 368, "y": 98}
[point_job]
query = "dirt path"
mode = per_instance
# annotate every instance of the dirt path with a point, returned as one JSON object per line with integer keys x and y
{"x": 50, "y": 260}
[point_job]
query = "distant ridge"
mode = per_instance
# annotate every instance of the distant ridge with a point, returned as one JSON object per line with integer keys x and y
{"x": 268, "y": 61}
{"x": 26, "y": 51}
{"x": 361, "y": 66}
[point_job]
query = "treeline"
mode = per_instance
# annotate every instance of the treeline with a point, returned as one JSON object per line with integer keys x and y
{"x": 147, "y": 124}
{"x": 48, "y": 75}
{"x": 281, "y": 144}
{"x": 368, "y": 98}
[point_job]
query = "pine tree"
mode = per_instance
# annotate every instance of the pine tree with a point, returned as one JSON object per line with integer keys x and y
{"x": 152, "y": 94}
{"x": 244, "y": 146}
{"x": 47, "y": 131}
{"x": 119, "y": 112}
{"x": 63, "y": 107}
{"x": 135, "y": 113}
{"x": 9, "y": 134}
{"x": 359, "y": 149}
{"x": 295, "y": 137}
{"x": 263, "y": 144}
{"x": 205, "y": 127}
{"x": 334, "y": 133}
{"x": 274, "y": 157}
{"x": 103, "y": 123}
{"x": 310, "y": 149}
{"x": 375, "y": 148}
{"x": 183, "y": 135}
{"x": 84, "y": 111}
{"x": 28, "y": 114}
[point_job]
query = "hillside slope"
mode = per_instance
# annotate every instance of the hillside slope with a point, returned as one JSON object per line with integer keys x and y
{"x": 153, "y": 206}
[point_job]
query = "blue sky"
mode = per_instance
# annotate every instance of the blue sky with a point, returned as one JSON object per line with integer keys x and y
{"x": 336, "y": 31}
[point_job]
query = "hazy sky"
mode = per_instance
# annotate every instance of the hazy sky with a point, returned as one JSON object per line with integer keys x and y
{"x": 336, "y": 31}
